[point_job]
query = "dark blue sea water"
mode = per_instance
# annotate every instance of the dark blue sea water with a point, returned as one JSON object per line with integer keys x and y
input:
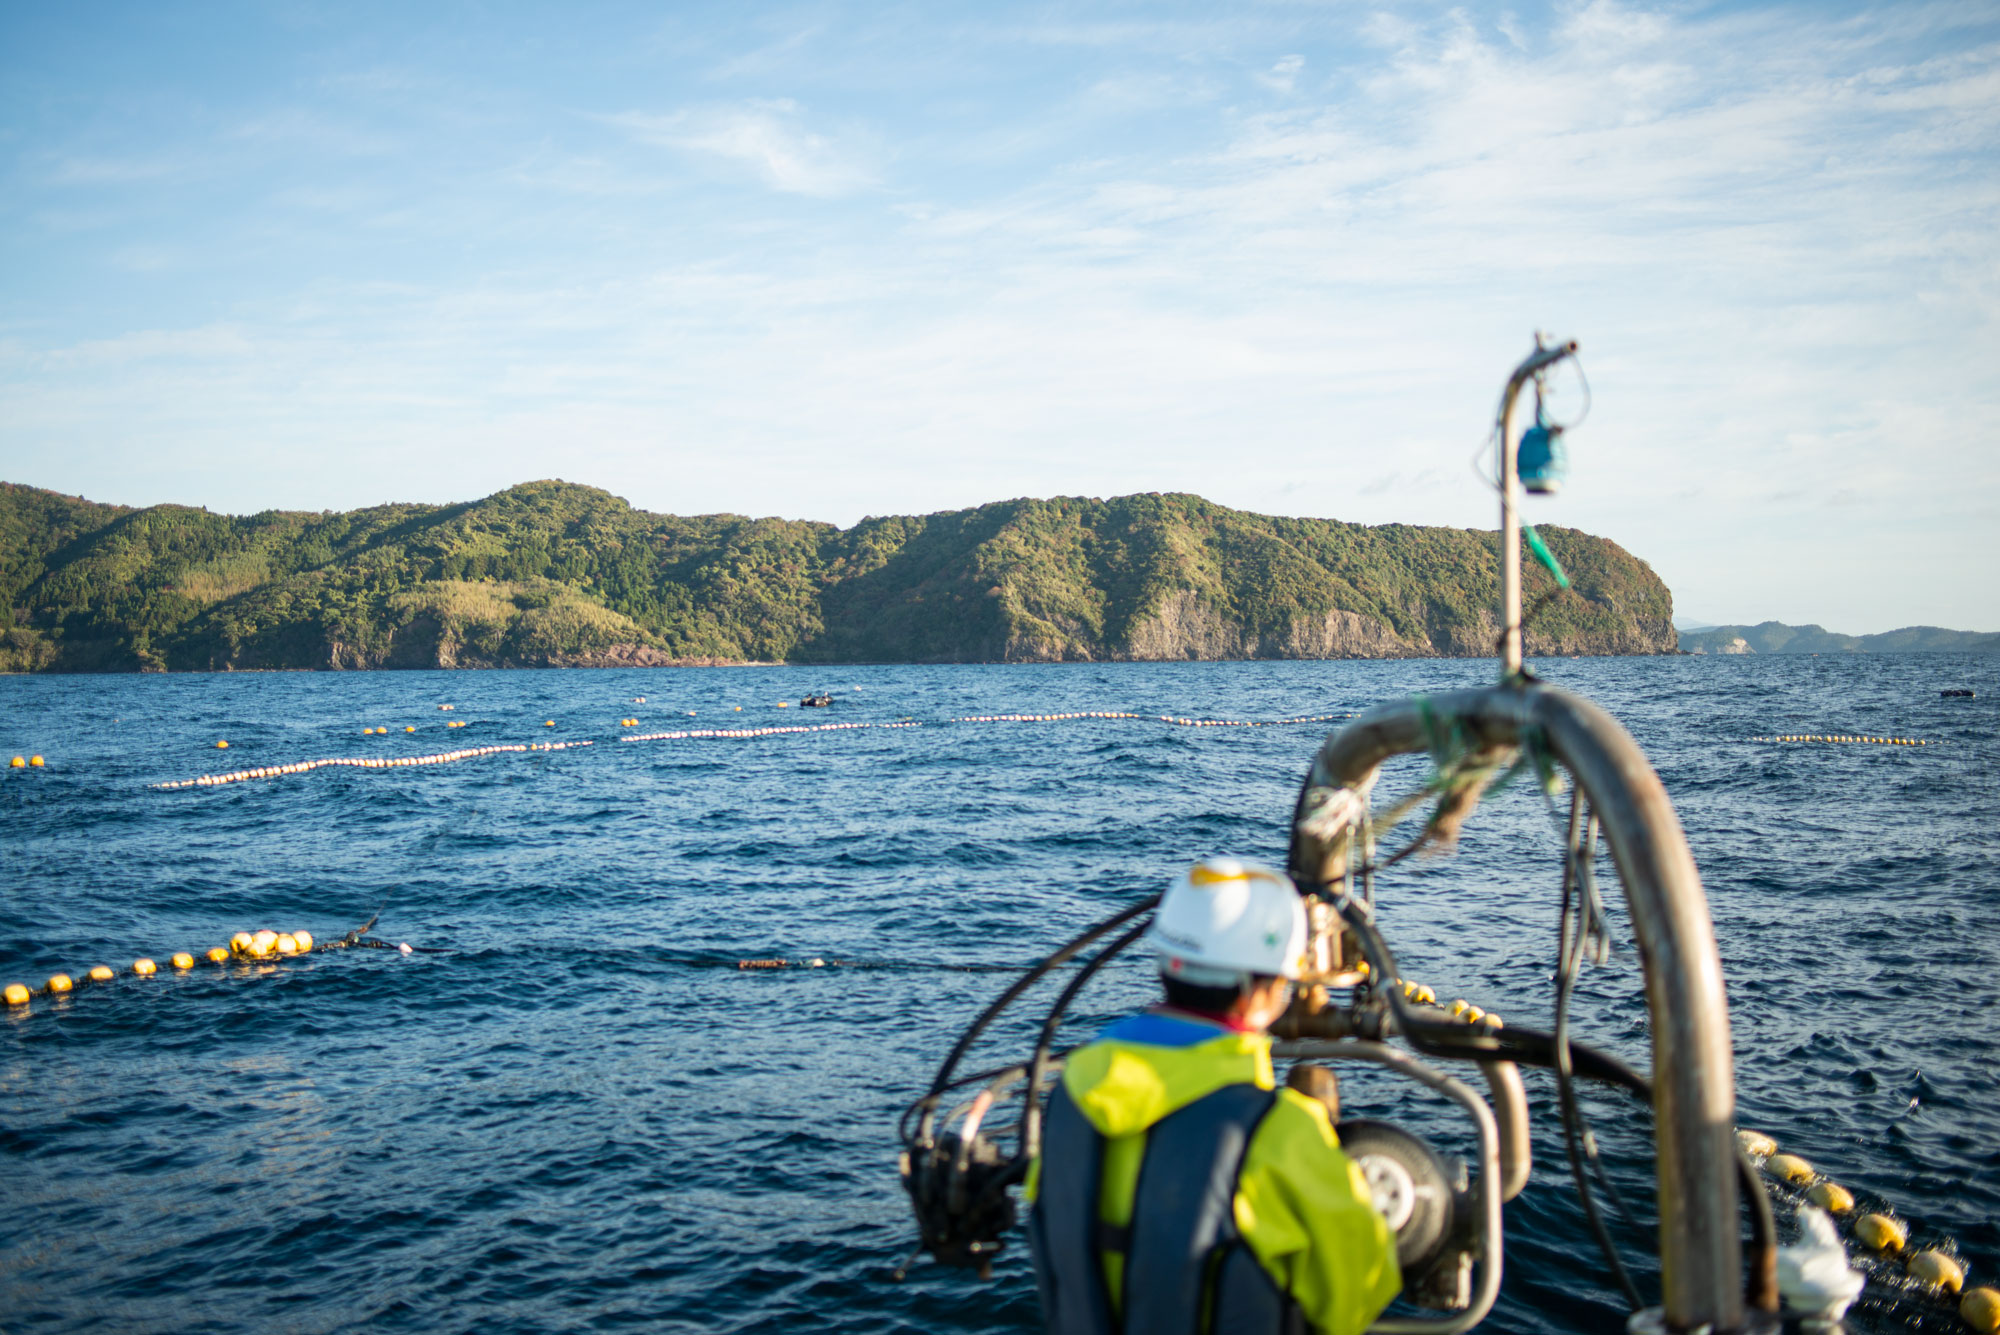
{"x": 570, "y": 1111}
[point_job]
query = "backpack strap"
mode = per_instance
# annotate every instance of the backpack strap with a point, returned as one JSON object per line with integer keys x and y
{"x": 1063, "y": 1228}
{"x": 1186, "y": 1200}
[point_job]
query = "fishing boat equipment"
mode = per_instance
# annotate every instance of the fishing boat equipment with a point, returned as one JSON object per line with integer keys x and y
{"x": 971, "y": 1137}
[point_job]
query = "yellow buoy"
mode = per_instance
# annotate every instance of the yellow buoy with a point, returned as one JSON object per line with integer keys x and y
{"x": 305, "y": 941}
{"x": 1980, "y": 1307}
{"x": 222, "y": 746}
{"x": 1492, "y": 1021}
{"x": 183, "y": 960}
{"x": 264, "y": 942}
{"x": 102, "y": 974}
{"x": 1425, "y": 996}
{"x": 1881, "y": 1233}
{"x": 1790, "y": 1167}
{"x": 18, "y": 762}
{"x": 549, "y": 724}
{"x": 17, "y": 994}
{"x": 1831, "y": 1197}
{"x": 1937, "y": 1270}
{"x": 144, "y": 967}
{"x": 1757, "y": 1144}
{"x": 218, "y": 954}
{"x": 411, "y": 728}
{"x": 61, "y": 982}
{"x": 240, "y": 943}
{"x": 287, "y": 944}
{"x": 35, "y": 762}
{"x": 1458, "y": 1008}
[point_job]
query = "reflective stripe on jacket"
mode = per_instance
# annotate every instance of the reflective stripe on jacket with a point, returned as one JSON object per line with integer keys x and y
{"x": 1299, "y": 1204}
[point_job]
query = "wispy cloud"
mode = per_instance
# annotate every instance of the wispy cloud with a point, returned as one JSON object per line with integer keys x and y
{"x": 769, "y": 138}
{"x": 1283, "y": 77}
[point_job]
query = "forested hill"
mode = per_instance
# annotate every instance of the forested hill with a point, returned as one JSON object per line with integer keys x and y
{"x": 549, "y": 573}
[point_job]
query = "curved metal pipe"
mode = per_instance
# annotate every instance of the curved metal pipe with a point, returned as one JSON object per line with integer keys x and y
{"x": 1694, "y": 1075}
{"x": 1510, "y": 1110}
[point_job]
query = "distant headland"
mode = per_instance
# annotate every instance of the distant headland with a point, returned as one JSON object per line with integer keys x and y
{"x": 551, "y": 574}
{"x": 1775, "y": 637}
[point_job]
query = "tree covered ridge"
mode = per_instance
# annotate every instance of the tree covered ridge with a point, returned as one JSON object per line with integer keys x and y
{"x": 552, "y": 573}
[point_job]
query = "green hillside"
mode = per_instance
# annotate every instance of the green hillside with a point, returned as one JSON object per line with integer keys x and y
{"x": 1775, "y": 637}
{"x": 553, "y": 574}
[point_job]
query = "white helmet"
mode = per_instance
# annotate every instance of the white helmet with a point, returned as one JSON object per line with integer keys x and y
{"x": 1224, "y": 919}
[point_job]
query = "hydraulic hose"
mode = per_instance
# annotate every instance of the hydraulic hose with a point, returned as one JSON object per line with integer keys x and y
{"x": 1013, "y": 994}
{"x": 1031, "y": 1116}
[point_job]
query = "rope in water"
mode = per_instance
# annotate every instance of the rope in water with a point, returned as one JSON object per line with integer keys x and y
{"x": 361, "y": 762}
{"x": 1170, "y": 719}
{"x": 1935, "y": 1273}
{"x": 1877, "y": 741}
{"x": 264, "y": 947}
{"x": 691, "y": 734}
{"x": 686, "y": 734}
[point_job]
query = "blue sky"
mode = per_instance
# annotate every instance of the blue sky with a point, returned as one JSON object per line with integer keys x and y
{"x": 826, "y": 260}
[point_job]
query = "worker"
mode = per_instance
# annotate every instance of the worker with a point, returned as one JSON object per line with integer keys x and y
{"x": 1177, "y": 1189}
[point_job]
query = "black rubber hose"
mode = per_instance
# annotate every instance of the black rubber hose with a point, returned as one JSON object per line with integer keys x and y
{"x": 1031, "y": 1116}
{"x": 1014, "y": 991}
{"x": 1569, "y": 959}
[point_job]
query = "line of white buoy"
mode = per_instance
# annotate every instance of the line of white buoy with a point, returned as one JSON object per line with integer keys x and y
{"x": 361, "y": 762}
{"x": 685, "y": 734}
{"x": 1174, "y": 720}
{"x": 691, "y": 734}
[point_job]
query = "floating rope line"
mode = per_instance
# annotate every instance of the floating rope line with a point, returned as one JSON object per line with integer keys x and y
{"x": 264, "y": 947}
{"x": 686, "y": 734}
{"x": 1935, "y": 1273}
{"x": 1152, "y": 718}
{"x": 1876, "y": 741}
{"x": 694, "y": 734}
{"x": 361, "y": 762}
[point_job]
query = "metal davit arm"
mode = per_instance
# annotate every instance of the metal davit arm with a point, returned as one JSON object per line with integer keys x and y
{"x": 1693, "y": 1072}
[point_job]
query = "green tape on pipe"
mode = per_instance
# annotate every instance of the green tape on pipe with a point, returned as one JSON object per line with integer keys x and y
{"x": 1545, "y": 556}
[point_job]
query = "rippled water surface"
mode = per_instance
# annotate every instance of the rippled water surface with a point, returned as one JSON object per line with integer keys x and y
{"x": 570, "y": 1110}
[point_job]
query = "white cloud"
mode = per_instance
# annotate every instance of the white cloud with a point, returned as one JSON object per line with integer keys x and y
{"x": 768, "y": 137}
{"x": 1283, "y": 76}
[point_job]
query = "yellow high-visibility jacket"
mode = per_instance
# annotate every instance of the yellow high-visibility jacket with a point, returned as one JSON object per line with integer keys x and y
{"x": 1301, "y": 1205}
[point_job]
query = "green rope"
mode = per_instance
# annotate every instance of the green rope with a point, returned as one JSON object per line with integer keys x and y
{"x": 1545, "y": 556}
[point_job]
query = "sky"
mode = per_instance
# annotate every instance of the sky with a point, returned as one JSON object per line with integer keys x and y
{"x": 827, "y": 260}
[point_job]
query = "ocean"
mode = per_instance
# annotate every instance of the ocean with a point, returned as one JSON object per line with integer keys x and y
{"x": 567, "y": 1108}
